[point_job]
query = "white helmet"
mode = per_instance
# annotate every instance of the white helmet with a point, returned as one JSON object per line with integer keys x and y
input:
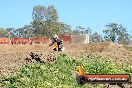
{"x": 55, "y": 36}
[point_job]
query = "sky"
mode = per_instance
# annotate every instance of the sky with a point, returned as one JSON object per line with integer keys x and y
{"x": 87, "y": 13}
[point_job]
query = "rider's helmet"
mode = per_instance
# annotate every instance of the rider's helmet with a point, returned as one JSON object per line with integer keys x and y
{"x": 55, "y": 36}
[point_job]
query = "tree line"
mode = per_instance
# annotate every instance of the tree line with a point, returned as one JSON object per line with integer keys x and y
{"x": 45, "y": 23}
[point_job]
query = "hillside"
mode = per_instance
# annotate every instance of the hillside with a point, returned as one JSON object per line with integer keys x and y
{"x": 15, "y": 57}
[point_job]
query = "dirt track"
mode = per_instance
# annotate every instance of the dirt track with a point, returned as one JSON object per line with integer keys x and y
{"x": 13, "y": 56}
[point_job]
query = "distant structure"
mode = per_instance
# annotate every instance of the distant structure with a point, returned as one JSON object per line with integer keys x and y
{"x": 75, "y": 39}
{"x": 82, "y": 39}
{"x": 4, "y": 41}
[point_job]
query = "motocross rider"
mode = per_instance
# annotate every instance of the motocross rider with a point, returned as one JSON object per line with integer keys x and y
{"x": 58, "y": 41}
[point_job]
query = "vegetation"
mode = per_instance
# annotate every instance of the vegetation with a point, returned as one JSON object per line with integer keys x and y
{"x": 116, "y": 33}
{"x": 59, "y": 74}
{"x": 3, "y": 33}
{"x": 45, "y": 23}
{"x": 96, "y": 38}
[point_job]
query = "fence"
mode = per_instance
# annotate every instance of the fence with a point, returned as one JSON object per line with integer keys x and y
{"x": 66, "y": 39}
{"x": 82, "y": 39}
{"x": 21, "y": 41}
{"x": 39, "y": 40}
{"x": 4, "y": 41}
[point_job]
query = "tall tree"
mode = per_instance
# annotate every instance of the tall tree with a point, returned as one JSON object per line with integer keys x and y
{"x": 38, "y": 20}
{"x": 66, "y": 30}
{"x": 28, "y": 31}
{"x": 11, "y": 32}
{"x": 39, "y": 12}
{"x": 75, "y": 32}
{"x": 96, "y": 38}
{"x": 24, "y": 32}
{"x": 39, "y": 28}
{"x": 4, "y": 33}
{"x": 52, "y": 25}
{"x": 123, "y": 36}
{"x": 51, "y": 14}
{"x": 46, "y": 23}
{"x": 88, "y": 30}
{"x": 116, "y": 33}
{"x": 82, "y": 30}
{"x": 111, "y": 32}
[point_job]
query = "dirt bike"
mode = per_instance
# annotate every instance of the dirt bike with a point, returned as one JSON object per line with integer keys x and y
{"x": 58, "y": 48}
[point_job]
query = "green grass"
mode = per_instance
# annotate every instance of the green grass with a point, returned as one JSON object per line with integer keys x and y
{"x": 59, "y": 74}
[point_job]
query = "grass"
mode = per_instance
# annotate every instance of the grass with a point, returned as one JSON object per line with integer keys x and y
{"x": 59, "y": 74}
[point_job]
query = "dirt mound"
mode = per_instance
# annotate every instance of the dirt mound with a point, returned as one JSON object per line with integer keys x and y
{"x": 42, "y": 57}
{"x": 110, "y": 50}
{"x": 15, "y": 56}
{"x": 97, "y": 47}
{"x": 117, "y": 51}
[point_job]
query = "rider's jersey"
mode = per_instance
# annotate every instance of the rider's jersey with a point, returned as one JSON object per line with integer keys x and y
{"x": 58, "y": 41}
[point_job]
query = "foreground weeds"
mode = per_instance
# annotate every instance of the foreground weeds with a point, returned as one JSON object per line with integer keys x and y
{"x": 59, "y": 74}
